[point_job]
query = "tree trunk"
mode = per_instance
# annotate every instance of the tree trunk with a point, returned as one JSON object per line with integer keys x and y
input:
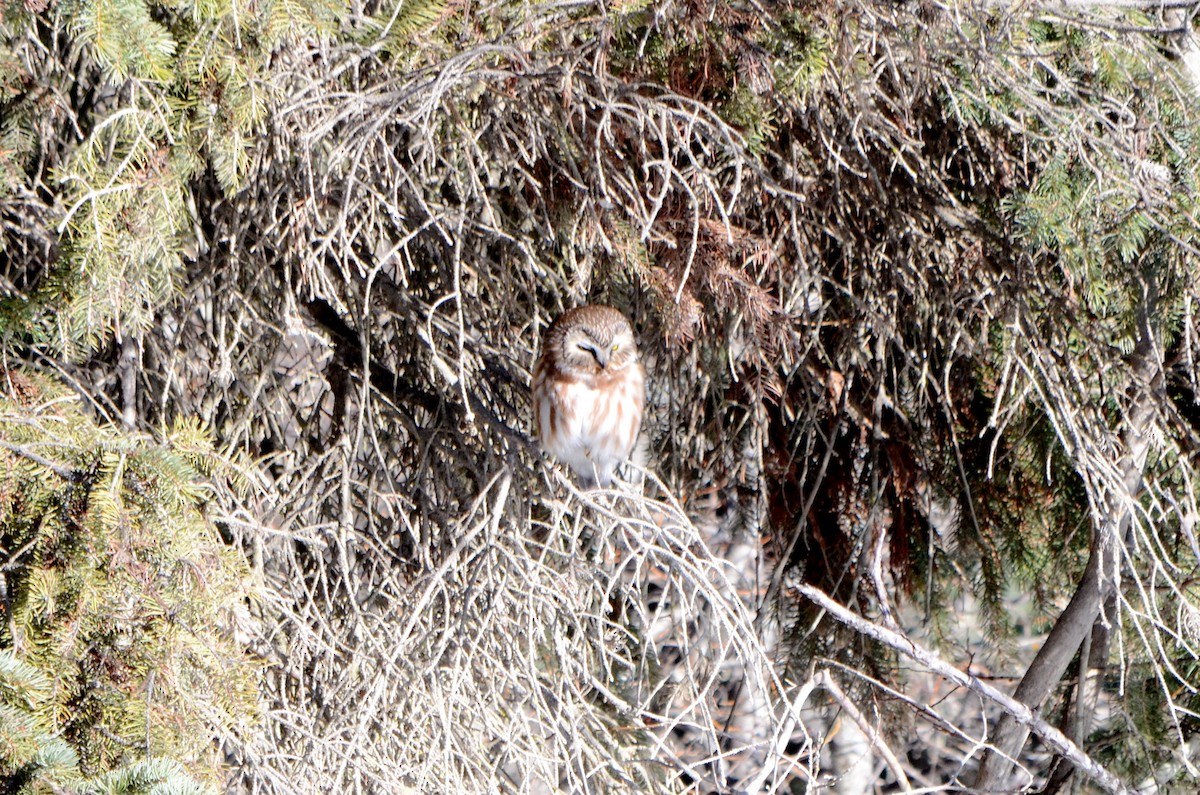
{"x": 1102, "y": 574}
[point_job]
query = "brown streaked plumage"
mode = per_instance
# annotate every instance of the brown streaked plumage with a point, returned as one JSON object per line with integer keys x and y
{"x": 589, "y": 391}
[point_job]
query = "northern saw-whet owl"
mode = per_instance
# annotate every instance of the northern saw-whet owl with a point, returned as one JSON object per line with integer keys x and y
{"x": 589, "y": 391}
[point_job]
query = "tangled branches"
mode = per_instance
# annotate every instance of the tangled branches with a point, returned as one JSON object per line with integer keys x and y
{"x": 915, "y": 286}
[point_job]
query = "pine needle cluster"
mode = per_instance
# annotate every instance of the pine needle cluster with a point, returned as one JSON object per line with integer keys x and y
{"x": 125, "y": 635}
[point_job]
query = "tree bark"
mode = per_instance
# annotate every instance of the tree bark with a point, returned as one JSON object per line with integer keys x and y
{"x": 1093, "y": 660}
{"x": 1049, "y": 665}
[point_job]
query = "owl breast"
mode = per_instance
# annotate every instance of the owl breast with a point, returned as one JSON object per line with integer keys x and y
{"x": 591, "y": 425}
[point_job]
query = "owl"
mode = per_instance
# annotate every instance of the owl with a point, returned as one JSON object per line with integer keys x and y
{"x": 589, "y": 390}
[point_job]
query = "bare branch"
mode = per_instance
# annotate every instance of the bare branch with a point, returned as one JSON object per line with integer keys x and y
{"x": 930, "y": 659}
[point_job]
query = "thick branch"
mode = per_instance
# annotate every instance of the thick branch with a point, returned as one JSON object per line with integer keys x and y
{"x": 1093, "y": 658}
{"x": 932, "y": 661}
{"x": 1048, "y": 666}
{"x": 1187, "y": 44}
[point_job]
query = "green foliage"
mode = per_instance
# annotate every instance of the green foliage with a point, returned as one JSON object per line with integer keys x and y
{"x": 181, "y": 87}
{"x": 404, "y": 27}
{"x": 802, "y": 51}
{"x": 147, "y": 777}
{"x": 124, "y": 248}
{"x": 1109, "y": 207}
{"x": 35, "y": 760}
{"x": 123, "y": 38}
{"x": 747, "y": 111}
{"x": 16, "y": 143}
{"x": 30, "y": 750}
{"x": 1108, "y": 244}
{"x": 17, "y": 118}
{"x": 640, "y": 49}
{"x": 125, "y": 602}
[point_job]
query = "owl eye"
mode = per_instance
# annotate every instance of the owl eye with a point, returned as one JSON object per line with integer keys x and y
{"x": 615, "y": 346}
{"x": 586, "y": 348}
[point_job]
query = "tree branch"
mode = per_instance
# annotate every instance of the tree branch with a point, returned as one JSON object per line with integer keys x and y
{"x": 1097, "y": 584}
{"x": 59, "y": 469}
{"x": 1022, "y": 714}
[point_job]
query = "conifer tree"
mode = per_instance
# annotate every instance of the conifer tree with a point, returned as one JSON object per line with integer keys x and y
{"x": 916, "y": 289}
{"x": 121, "y": 661}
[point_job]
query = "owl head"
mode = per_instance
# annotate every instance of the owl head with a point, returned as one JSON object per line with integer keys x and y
{"x": 591, "y": 340}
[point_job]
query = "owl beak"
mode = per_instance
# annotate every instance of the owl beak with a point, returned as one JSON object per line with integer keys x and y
{"x": 602, "y": 358}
